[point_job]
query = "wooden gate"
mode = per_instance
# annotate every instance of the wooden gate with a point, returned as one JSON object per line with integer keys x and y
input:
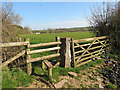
{"x": 83, "y": 50}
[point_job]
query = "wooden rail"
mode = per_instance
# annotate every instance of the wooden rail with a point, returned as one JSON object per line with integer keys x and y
{"x": 43, "y": 50}
{"x": 43, "y": 58}
{"x": 13, "y": 44}
{"x": 12, "y": 59}
{"x": 89, "y": 39}
{"x": 44, "y": 44}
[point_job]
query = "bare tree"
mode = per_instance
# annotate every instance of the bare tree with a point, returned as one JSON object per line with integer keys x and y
{"x": 106, "y": 21}
{"x": 9, "y": 20}
{"x": 11, "y": 29}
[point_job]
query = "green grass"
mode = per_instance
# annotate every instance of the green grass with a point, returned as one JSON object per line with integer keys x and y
{"x": 110, "y": 85}
{"x": 59, "y": 71}
{"x": 15, "y": 78}
{"x": 50, "y": 37}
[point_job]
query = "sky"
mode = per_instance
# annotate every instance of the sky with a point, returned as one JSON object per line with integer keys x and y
{"x": 45, "y": 15}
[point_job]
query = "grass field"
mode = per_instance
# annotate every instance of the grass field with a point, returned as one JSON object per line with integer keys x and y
{"x": 50, "y": 37}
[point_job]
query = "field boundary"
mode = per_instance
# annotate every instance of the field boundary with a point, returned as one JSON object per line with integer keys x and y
{"x": 69, "y": 52}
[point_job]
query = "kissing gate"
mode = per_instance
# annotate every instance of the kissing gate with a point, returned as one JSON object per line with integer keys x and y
{"x": 69, "y": 52}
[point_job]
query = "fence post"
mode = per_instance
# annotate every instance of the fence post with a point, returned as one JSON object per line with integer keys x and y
{"x": 28, "y": 56}
{"x": 58, "y": 51}
{"x": 57, "y": 40}
{"x": 65, "y": 53}
{"x": 73, "y": 53}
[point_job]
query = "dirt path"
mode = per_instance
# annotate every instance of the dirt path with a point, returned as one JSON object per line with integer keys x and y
{"x": 88, "y": 78}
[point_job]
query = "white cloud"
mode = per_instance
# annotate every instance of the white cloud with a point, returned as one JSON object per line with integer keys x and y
{"x": 63, "y": 24}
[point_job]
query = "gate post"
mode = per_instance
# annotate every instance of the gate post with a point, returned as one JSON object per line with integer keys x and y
{"x": 65, "y": 53}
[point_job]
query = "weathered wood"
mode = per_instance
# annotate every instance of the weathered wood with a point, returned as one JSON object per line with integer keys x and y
{"x": 65, "y": 54}
{"x": 78, "y": 61}
{"x": 44, "y": 44}
{"x": 43, "y": 65}
{"x": 50, "y": 72}
{"x": 88, "y": 44}
{"x": 12, "y": 59}
{"x": 57, "y": 64}
{"x": 90, "y": 54}
{"x": 28, "y": 56}
{"x": 43, "y": 58}
{"x": 73, "y": 53}
{"x": 90, "y": 49}
{"x": 87, "y": 49}
{"x": 83, "y": 63}
{"x": 57, "y": 40}
{"x": 88, "y": 39}
{"x": 83, "y": 48}
{"x": 11, "y": 44}
{"x": 43, "y": 50}
{"x": 48, "y": 63}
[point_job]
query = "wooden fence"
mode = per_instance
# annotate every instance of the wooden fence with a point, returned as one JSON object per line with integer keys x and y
{"x": 83, "y": 52}
{"x": 70, "y": 52}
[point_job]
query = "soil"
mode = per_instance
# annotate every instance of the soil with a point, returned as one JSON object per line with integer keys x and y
{"x": 88, "y": 78}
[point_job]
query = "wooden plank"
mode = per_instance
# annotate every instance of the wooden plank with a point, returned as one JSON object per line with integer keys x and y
{"x": 57, "y": 64}
{"x": 48, "y": 63}
{"x": 83, "y": 63}
{"x": 44, "y": 44}
{"x": 78, "y": 61}
{"x": 12, "y": 59}
{"x": 83, "y": 48}
{"x": 88, "y": 44}
{"x": 73, "y": 54}
{"x": 43, "y": 65}
{"x": 89, "y": 39}
{"x": 13, "y": 44}
{"x": 43, "y": 58}
{"x": 57, "y": 40}
{"x": 90, "y": 54}
{"x": 43, "y": 50}
{"x": 97, "y": 47}
{"x": 50, "y": 72}
{"x": 79, "y": 51}
{"x": 101, "y": 42}
{"x": 89, "y": 49}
